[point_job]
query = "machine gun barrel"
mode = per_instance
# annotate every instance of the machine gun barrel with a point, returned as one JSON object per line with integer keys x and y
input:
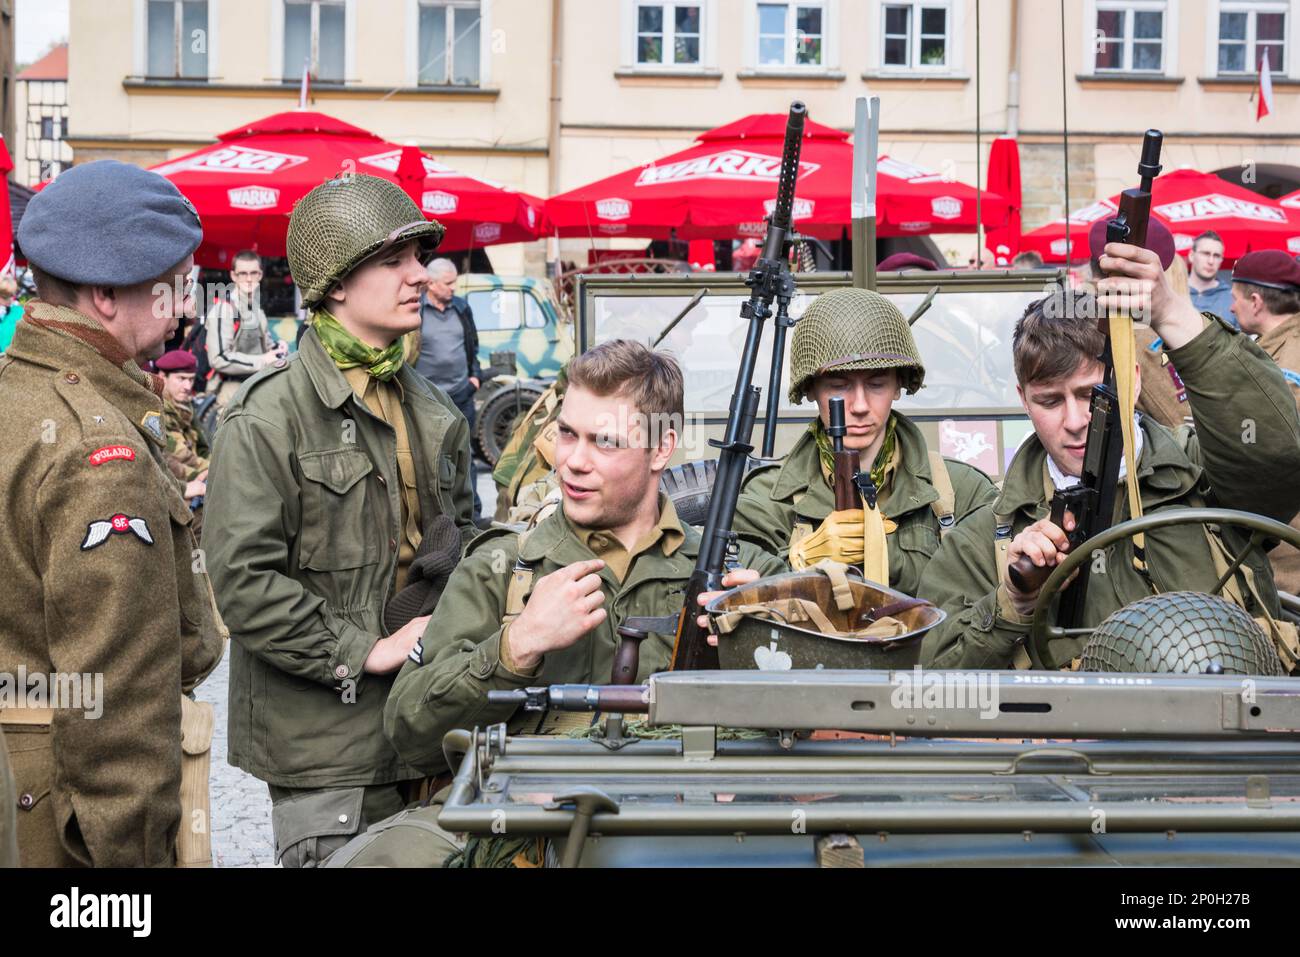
{"x": 769, "y": 282}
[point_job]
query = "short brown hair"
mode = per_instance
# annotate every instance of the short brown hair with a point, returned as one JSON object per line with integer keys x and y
{"x": 1208, "y": 234}
{"x": 1279, "y": 302}
{"x": 652, "y": 380}
{"x": 1055, "y": 335}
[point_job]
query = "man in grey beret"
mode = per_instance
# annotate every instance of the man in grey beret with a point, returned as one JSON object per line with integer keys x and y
{"x": 101, "y": 586}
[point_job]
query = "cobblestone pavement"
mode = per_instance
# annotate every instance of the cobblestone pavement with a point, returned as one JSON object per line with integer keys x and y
{"x": 241, "y": 807}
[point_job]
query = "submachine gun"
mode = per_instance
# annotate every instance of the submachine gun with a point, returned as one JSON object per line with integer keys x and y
{"x": 1092, "y": 500}
{"x": 769, "y": 282}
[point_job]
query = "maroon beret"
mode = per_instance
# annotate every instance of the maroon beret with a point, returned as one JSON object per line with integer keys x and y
{"x": 1268, "y": 267}
{"x": 905, "y": 261}
{"x": 1159, "y": 240}
{"x": 177, "y": 360}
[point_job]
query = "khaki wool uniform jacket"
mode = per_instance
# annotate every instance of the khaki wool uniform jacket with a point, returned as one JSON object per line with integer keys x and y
{"x": 1282, "y": 343}
{"x": 302, "y": 535}
{"x": 100, "y": 577}
{"x": 461, "y": 648}
{"x": 775, "y": 498}
{"x": 1235, "y": 392}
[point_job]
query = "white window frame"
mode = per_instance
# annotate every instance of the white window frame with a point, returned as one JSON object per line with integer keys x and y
{"x": 708, "y": 39}
{"x": 914, "y": 64}
{"x": 413, "y": 42}
{"x": 631, "y": 34}
{"x": 1168, "y": 39}
{"x": 277, "y": 42}
{"x": 830, "y": 38}
{"x": 140, "y": 44}
{"x": 1290, "y": 38}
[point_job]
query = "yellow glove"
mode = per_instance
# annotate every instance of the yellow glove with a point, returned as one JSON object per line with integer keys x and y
{"x": 844, "y": 536}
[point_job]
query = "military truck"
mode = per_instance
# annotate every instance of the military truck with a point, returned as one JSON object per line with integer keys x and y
{"x": 1130, "y": 760}
{"x": 524, "y": 338}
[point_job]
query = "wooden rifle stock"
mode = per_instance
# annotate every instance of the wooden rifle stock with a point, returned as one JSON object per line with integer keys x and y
{"x": 846, "y": 460}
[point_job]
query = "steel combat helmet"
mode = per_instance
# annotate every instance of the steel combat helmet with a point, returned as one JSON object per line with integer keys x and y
{"x": 346, "y": 220}
{"x": 1184, "y": 632}
{"x": 848, "y": 329}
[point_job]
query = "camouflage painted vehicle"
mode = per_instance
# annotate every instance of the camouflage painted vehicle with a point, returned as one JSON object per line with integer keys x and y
{"x": 1193, "y": 760}
{"x": 519, "y": 315}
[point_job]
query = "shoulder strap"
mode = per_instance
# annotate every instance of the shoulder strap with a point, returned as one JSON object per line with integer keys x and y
{"x": 521, "y": 579}
{"x": 1020, "y": 659}
{"x": 945, "y": 506}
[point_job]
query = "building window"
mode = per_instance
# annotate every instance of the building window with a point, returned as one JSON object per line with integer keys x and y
{"x": 668, "y": 34}
{"x": 314, "y": 35}
{"x": 177, "y": 39}
{"x": 47, "y": 127}
{"x": 1247, "y": 32}
{"x": 1130, "y": 38}
{"x": 914, "y": 35}
{"x": 791, "y": 34}
{"x": 449, "y": 42}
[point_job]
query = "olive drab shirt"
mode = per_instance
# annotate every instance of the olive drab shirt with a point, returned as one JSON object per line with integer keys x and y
{"x": 461, "y": 648}
{"x": 100, "y": 578}
{"x": 1236, "y": 393}
{"x": 1282, "y": 343}
{"x": 775, "y": 498}
{"x": 303, "y": 534}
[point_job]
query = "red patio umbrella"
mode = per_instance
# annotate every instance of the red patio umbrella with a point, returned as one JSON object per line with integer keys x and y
{"x": 724, "y": 186}
{"x": 1004, "y": 179}
{"x": 245, "y": 185}
{"x": 1189, "y": 203}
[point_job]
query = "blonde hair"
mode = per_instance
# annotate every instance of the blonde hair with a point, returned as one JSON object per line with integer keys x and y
{"x": 653, "y": 380}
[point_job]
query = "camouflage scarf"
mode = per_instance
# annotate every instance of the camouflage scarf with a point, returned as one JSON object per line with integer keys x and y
{"x": 826, "y": 452}
{"x": 66, "y": 321}
{"x": 349, "y": 352}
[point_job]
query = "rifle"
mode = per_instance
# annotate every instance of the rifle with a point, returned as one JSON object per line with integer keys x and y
{"x": 846, "y": 460}
{"x": 1092, "y": 501}
{"x": 769, "y": 281}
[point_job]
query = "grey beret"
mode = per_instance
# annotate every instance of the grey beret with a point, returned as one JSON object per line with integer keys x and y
{"x": 108, "y": 223}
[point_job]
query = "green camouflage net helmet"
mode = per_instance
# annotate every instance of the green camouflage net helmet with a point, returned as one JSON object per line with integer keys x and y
{"x": 346, "y": 220}
{"x": 1182, "y": 632}
{"x": 848, "y": 329}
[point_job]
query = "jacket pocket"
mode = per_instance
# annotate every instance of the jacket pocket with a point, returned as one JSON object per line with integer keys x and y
{"x": 310, "y": 826}
{"x": 335, "y": 532}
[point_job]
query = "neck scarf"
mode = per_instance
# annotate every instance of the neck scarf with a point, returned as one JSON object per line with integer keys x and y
{"x": 68, "y": 322}
{"x": 826, "y": 451}
{"x": 349, "y": 352}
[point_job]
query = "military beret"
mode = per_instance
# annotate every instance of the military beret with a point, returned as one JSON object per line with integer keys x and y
{"x": 905, "y": 261}
{"x": 1159, "y": 240}
{"x": 1268, "y": 267}
{"x": 176, "y": 360}
{"x": 108, "y": 223}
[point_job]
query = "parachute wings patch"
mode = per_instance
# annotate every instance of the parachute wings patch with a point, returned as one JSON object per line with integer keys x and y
{"x": 98, "y": 532}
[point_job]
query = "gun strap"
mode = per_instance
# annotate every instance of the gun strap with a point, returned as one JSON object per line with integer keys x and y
{"x": 875, "y": 547}
{"x": 945, "y": 506}
{"x": 1124, "y": 351}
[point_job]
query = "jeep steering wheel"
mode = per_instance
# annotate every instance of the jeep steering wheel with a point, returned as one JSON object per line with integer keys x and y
{"x": 1051, "y": 647}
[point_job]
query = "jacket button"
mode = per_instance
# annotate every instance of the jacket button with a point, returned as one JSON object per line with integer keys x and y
{"x": 72, "y": 378}
{"x": 343, "y": 819}
{"x": 341, "y": 671}
{"x": 26, "y": 801}
{"x": 382, "y": 480}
